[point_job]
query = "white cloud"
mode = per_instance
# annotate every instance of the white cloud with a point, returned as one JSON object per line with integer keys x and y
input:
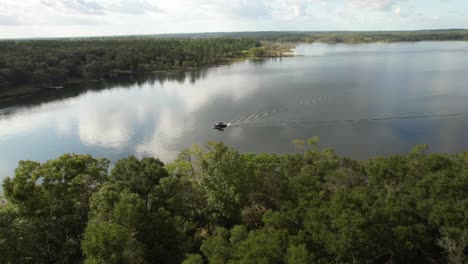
{"x": 135, "y": 7}
{"x": 79, "y": 6}
{"x": 374, "y": 4}
{"x": 63, "y": 18}
{"x": 9, "y": 21}
{"x": 102, "y": 7}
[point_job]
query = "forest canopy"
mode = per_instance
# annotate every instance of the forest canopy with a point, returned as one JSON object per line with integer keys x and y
{"x": 352, "y": 37}
{"x": 56, "y": 62}
{"x": 214, "y": 204}
{"x": 329, "y": 36}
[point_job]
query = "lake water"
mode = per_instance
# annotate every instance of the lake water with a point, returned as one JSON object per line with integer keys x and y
{"x": 361, "y": 100}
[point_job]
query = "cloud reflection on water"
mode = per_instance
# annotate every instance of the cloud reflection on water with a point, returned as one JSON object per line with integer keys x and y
{"x": 163, "y": 114}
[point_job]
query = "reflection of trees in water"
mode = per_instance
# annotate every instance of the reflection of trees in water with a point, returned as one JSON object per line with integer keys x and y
{"x": 261, "y": 61}
{"x": 45, "y": 96}
{"x": 198, "y": 74}
{"x": 181, "y": 76}
{"x": 258, "y": 61}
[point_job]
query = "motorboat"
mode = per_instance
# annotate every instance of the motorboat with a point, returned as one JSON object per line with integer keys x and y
{"x": 220, "y": 125}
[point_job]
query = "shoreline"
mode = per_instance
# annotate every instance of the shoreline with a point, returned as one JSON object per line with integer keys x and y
{"x": 379, "y": 42}
{"x": 282, "y": 50}
{"x": 28, "y": 90}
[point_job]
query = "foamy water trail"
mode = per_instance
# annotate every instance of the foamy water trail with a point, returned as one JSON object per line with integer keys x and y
{"x": 267, "y": 112}
{"x": 359, "y": 120}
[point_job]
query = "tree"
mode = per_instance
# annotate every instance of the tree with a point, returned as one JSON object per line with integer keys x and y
{"x": 227, "y": 181}
{"x": 193, "y": 259}
{"x": 298, "y": 255}
{"x": 62, "y": 61}
{"x": 52, "y": 203}
{"x": 129, "y": 208}
{"x": 40, "y": 77}
{"x": 216, "y": 205}
{"x": 3, "y": 82}
{"x": 138, "y": 176}
{"x": 217, "y": 248}
{"x": 8, "y": 235}
{"x": 111, "y": 243}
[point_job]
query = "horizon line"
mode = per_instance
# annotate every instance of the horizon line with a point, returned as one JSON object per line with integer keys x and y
{"x": 229, "y": 32}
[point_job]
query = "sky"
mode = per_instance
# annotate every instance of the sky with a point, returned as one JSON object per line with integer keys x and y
{"x": 68, "y": 18}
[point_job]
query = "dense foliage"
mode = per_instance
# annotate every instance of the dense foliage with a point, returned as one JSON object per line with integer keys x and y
{"x": 60, "y": 61}
{"x": 55, "y": 62}
{"x": 370, "y": 37}
{"x": 216, "y": 205}
{"x": 336, "y": 36}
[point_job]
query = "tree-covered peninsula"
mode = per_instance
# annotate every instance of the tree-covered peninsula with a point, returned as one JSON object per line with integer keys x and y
{"x": 216, "y": 205}
{"x": 53, "y": 63}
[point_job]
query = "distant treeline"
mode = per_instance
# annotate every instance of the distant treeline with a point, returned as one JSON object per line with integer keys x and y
{"x": 330, "y": 36}
{"x": 351, "y": 36}
{"x": 370, "y": 37}
{"x": 216, "y": 205}
{"x": 55, "y": 62}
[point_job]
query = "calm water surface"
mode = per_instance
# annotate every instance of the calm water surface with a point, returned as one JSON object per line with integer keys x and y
{"x": 361, "y": 100}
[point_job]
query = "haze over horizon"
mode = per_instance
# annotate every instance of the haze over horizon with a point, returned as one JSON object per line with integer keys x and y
{"x": 69, "y": 18}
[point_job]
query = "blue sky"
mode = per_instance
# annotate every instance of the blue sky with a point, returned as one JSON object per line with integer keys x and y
{"x": 57, "y": 18}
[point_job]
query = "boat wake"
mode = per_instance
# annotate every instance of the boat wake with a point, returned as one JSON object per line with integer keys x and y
{"x": 353, "y": 121}
{"x": 268, "y": 112}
